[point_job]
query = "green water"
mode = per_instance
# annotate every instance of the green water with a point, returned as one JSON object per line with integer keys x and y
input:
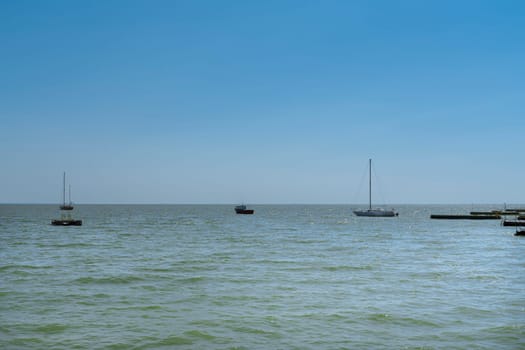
{"x": 288, "y": 277}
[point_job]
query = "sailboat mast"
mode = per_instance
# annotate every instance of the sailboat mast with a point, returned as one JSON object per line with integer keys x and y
{"x": 64, "y": 189}
{"x": 70, "y": 194}
{"x": 370, "y": 183}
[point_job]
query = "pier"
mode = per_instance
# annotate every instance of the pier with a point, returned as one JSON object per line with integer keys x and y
{"x": 466, "y": 217}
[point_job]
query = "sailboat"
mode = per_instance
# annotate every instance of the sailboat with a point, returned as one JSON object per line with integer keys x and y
{"x": 65, "y": 206}
{"x": 377, "y": 212}
{"x": 65, "y": 218}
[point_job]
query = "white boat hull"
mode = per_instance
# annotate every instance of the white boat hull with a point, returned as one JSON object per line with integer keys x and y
{"x": 376, "y": 213}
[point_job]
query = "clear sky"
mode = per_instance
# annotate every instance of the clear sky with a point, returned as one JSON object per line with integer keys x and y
{"x": 262, "y": 101}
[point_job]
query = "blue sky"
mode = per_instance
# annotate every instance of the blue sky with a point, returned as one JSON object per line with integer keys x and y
{"x": 262, "y": 101}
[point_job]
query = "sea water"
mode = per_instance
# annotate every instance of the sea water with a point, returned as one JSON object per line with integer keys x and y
{"x": 287, "y": 277}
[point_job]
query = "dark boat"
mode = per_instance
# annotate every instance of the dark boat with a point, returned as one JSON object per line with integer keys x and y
{"x": 65, "y": 206}
{"x": 513, "y": 223}
{"x": 466, "y": 217}
{"x": 66, "y": 222}
{"x": 241, "y": 209}
{"x": 520, "y": 233}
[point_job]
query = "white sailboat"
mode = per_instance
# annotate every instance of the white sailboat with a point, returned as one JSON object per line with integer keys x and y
{"x": 377, "y": 212}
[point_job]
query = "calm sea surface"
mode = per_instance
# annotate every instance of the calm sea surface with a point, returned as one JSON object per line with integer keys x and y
{"x": 288, "y": 277}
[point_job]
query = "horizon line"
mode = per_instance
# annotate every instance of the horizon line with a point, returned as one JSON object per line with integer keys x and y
{"x": 291, "y": 203}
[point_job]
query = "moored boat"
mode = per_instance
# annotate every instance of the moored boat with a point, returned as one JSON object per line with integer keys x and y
{"x": 66, "y": 219}
{"x": 241, "y": 209}
{"x": 513, "y": 223}
{"x": 377, "y": 212}
{"x": 66, "y": 222}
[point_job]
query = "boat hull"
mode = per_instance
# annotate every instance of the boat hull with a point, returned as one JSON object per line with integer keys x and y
{"x": 66, "y": 207}
{"x": 244, "y": 211}
{"x": 66, "y": 222}
{"x": 513, "y": 223}
{"x": 376, "y": 213}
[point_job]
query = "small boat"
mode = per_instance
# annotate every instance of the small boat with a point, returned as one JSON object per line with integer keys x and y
{"x": 66, "y": 222}
{"x": 65, "y": 206}
{"x": 378, "y": 212}
{"x": 66, "y": 219}
{"x": 520, "y": 233}
{"x": 513, "y": 223}
{"x": 241, "y": 209}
